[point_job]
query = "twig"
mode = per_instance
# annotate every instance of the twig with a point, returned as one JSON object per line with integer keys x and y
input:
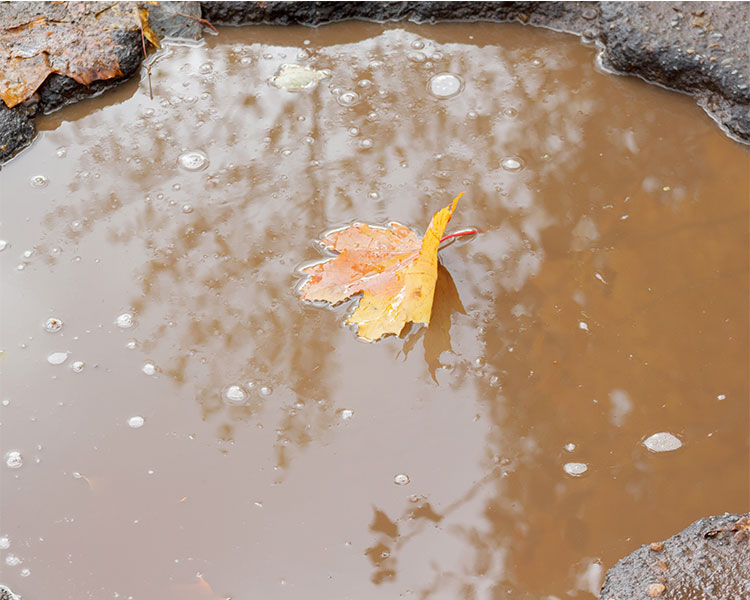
{"x": 203, "y": 21}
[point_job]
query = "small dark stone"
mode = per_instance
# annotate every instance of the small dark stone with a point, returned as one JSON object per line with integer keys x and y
{"x": 16, "y": 132}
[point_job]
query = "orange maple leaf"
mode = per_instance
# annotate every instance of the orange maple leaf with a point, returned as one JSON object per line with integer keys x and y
{"x": 393, "y": 269}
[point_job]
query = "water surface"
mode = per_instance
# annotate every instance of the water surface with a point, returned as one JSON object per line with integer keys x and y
{"x": 201, "y": 433}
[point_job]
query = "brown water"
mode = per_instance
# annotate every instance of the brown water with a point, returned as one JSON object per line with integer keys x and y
{"x": 606, "y": 302}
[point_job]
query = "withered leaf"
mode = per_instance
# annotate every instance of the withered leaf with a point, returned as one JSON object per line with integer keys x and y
{"x": 393, "y": 269}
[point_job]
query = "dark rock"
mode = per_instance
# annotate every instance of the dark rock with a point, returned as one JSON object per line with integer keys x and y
{"x": 16, "y": 132}
{"x": 168, "y": 19}
{"x": 696, "y": 47}
{"x": 709, "y": 560}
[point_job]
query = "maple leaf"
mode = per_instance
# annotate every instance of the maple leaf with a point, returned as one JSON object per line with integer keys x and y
{"x": 393, "y": 269}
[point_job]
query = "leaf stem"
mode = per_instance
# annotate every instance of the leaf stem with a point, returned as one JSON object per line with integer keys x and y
{"x": 459, "y": 233}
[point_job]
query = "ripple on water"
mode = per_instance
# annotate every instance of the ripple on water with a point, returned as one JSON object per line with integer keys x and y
{"x": 445, "y": 85}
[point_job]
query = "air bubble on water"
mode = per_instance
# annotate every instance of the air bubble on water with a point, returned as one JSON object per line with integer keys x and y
{"x": 511, "y": 112}
{"x": 348, "y": 98}
{"x": 308, "y": 139}
{"x": 149, "y": 368}
{"x": 25, "y": 572}
{"x": 570, "y": 447}
{"x": 372, "y": 116}
{"x": 512, "y": 164}
{"x": 53, "y": 325}
{"x": 353, "y": 131}
{"x": 193, "y": 160}
{"x": 286, "y": 152}
{"x": 721, "y": 397}
{"x": 472, "y": 114}
{"x": 234, "y": 394}
{"x": 132, "y": 344}
{"x": 583, "y": 325}
{"x": 125, "y": 321}
{"x": 13, "y": 459}
{"x": 12, "y": 560}
{"x": 346, "y": 414}
{"x": 401, "y": 479}
{"x": 662, "y": 442}
{"x": 187, "y": 208}
{"x": 417, "y": 44}
{"x": 57, "y": 358}
{"x": 373, "y": 195}
{"x": 3, "y": 245}
{"x": 265, "y": 390}
{"x": 4, "y": 542}
{"x": 61, "y": 151}
{"x": 365, "y": 143}
{"x": 575, "y": 469}
{"x": 416, "y": 57}
{"x": 206, "y": 68}
{"x": 364, "y": 83}
{"x": 39, "y": 181}
{"x": 445, "y": 85}
{"x": 78, "y": 366}
{"x": 136, "y": 422}
{"x": 76, "y": 225}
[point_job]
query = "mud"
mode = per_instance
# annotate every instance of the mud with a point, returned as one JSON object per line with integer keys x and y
{"x": 505, "y": 451}
{"x": 699, "y": 48}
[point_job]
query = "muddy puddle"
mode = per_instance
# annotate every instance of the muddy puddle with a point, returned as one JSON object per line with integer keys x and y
{"x": 177, "y": 424}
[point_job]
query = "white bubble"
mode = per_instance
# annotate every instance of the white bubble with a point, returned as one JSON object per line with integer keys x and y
{"x": 206, "y": 68}
{"x": 136, "y": 422}
{"x": 193, "y": 160}
{"x": 24, "y": 572}
{"x": 234, "y": 394}
{"x": 417, "y": 44}
{"x": 265, "y": 390}
{"x": 365, "y": 143}
{"x": 3, "y": 245}
{"x": 4, "y": 542}
{"x": 575, "y": 469}
{"x": 721, "y": 397}
{"x": 78, "y": 366}
{"x": 13, "y": 459}
{"x": 149, "y": 368}
{"x": 132, "y": 344}
{"x": 348, "y": 98}
{"x": 512, "y": 163}
{"x": 76, "y": 225}
{"x": 570, "y": 447}
{"x": 445, "y": 85}
{"x": 57, "y": 358}
{"x": 346, "y": 414}
{"x": 12, "y": 560}
{"x": 39, "y": 181}
{"x": 125, "y": 321}
{"x": 187, "y": 208}
{"x": 61, "y": 151}
{"x": 401, "y": 479}
{"x": 53, "y": 324}
{"x": 583, "y": 325}
{"x": 662, "y": 442}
